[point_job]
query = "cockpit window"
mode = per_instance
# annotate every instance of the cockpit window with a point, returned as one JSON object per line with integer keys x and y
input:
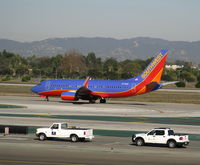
{"x": 39, "y": 84}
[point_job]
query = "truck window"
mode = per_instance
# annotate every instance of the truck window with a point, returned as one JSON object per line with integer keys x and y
{"x": 160, "y": 132}
{"x": 170, "y": 132}
{"x": 55, "y": 126}
{"x": 151, "y": 133}
{"x": 64, "y": 126}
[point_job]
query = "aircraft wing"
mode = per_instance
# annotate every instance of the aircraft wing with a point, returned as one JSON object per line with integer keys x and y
{"x": 84, "y": 93}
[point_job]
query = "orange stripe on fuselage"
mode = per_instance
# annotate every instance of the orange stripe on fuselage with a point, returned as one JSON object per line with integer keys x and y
{"x": 53, "y": 92}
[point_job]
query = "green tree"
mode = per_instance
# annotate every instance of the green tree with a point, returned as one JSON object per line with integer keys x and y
{"x": 197, "y": 85}
{"x": 21, "y": 70}
{"x": 73, "y": 62}
{"x": 129, "y": 69}
{"x": 110, "y": 68}
{"x": 56, "y": 63}
{"x": 169, "y": 75}
{"x": 187, "y": 76}
{"x": 180, "y": 84}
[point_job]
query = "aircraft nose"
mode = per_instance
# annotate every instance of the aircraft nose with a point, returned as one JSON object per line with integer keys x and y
{"x": 34, "y": 89}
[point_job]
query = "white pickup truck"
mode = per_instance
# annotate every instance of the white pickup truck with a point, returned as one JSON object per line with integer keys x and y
{"x": 62, "y": 130}
{"x": 161, "y": 136}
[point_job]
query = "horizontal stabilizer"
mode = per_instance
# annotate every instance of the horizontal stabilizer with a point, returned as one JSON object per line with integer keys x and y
{"x": 168, "y": 83}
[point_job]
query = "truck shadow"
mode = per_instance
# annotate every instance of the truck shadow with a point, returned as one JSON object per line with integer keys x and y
{"x": 155, "y": 146}
{"x": 63, "y": 140}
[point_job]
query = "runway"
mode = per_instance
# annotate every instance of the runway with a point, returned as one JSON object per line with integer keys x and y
{"x": 37, "y": 106}
{"x": 111, "y": 108}
{"x": 103, "y": 150}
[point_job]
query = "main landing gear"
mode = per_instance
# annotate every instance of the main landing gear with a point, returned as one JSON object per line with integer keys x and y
{"x": 102, "y": 100}
{"x": 47, "y": 98}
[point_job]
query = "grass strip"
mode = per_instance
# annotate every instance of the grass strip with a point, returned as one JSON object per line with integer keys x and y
{"x": 11, "y": 106}
{"x": 160, "y": 120}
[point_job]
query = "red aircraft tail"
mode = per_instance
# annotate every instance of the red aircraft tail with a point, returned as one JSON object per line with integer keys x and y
{"x": 154, "y": 70}
{"x": 152, "y": 74}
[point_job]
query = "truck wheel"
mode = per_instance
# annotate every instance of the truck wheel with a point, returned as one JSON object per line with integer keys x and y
{"x": 139, "y": 142}
{"x": 74, "y": 138}
{"x": 171, "y": 144}
{"x": 42, "y": 136}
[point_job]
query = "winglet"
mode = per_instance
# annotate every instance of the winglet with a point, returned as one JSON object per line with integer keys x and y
{"x": 85, "y": 84}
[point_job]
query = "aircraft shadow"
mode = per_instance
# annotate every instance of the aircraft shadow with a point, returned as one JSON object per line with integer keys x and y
{"x": 125, "y": 103}
{"x": 108, "y": 103}
{"x": 87, "y": 103}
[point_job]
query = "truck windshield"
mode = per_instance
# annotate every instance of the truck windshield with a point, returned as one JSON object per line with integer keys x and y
{"x": 64, "y": 126}
{"x": 55, "y": 126}
{"x": 151, "y": 133}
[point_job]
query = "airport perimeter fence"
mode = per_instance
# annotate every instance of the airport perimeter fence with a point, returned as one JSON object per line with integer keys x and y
{"x": 7, "y": 129}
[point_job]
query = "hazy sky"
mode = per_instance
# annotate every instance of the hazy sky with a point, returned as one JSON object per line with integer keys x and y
{"x": 30, "y": 20}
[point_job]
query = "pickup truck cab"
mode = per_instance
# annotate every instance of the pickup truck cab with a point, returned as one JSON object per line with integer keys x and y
{"x": 161, "y": 136}
{"x": 62, "y": 130}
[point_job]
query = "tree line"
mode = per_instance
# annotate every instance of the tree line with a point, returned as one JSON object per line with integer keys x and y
{"x": 74, "y": 65}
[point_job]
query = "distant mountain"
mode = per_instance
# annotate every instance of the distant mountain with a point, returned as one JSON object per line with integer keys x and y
{"x": 134, "y": 48}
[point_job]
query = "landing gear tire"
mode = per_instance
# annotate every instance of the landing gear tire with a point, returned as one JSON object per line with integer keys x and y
{"x": 102, "y": 100}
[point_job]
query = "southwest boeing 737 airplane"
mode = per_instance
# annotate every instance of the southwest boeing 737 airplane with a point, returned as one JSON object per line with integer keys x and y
{"x": 75, "y": 89}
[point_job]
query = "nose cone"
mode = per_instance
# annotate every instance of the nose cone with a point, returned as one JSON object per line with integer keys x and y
{"x": 34, "y": 89}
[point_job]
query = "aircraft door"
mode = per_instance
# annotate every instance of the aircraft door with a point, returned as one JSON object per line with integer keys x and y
{"x": 47, "y": 85}
{"x": 132, "y": 87}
